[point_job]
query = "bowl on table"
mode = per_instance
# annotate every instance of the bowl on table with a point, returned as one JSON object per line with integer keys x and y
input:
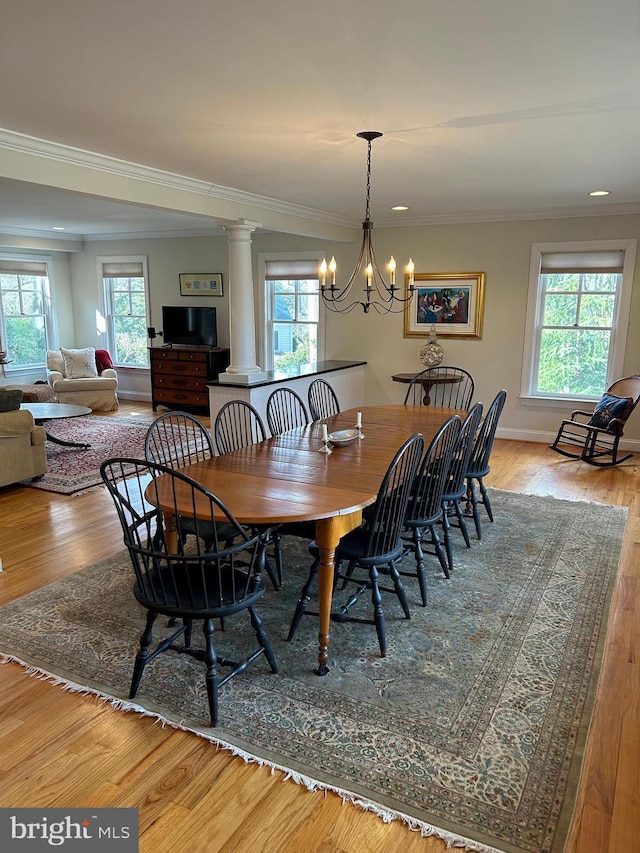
{"x": 343, "y": 437}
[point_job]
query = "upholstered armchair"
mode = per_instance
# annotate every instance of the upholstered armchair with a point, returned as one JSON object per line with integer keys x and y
{"x": 22, "y": 444}
{"x": 83, "y": 377}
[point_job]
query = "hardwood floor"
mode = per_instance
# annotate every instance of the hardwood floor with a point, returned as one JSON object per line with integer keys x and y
{"x": 63, "y": 749}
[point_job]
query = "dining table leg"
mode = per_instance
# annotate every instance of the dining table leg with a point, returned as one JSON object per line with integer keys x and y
{"x": 329, "y": 531}
{"x": 170, "y": 526}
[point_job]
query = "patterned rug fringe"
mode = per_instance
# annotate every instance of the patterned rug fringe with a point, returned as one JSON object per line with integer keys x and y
{"x": 452, "y": 840}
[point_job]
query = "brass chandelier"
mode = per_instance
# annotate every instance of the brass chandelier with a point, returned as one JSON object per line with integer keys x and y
{"x": 377, "y": 293}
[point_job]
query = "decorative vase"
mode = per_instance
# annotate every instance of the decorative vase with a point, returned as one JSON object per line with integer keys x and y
{"x": 432, "y": 353}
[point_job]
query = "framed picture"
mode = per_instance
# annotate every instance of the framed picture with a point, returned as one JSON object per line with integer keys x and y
{"x": 201, "y": 284}
{"x": 453, "y": 301}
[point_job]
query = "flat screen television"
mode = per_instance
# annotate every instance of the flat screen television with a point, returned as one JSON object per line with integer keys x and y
{"x": 189, "y": 325}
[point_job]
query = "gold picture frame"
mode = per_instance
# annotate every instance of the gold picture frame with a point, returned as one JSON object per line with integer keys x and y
{"x": 452, "y": 301}
{"x": 201, "y": 284}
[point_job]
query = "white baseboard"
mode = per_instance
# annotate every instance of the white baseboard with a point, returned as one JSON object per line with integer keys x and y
{"x": 548, "y": 437}
{"x": 134, "y": 395}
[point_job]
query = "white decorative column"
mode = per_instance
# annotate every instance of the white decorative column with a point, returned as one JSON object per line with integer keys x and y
{"x": 243, "y": 369}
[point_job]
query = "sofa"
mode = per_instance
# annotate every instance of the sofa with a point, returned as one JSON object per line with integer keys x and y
{"x": 83, "y": 377}
{"x": 22, "y": 444}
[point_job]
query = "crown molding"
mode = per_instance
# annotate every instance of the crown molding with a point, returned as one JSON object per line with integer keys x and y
{"x": 142, "y": 235}
{"x": 71, "y": 237}
{"x": 45, "y": 235}
{"x": 513, "y": 215}
{"x": 31, "y": 145}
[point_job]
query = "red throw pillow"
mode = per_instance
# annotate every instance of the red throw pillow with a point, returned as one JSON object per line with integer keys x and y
{"x": 103, "y": 360}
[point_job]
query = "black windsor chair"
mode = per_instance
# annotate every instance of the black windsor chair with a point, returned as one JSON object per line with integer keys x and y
{"x": 189, "y": 582}
{"x": 285, "y": 411}
{"x": 479, "y": 465}
{"x": 238, "y": 424}
{"x": 456, "y": 487}
{"x": 424, "y": 510}
{"x": 323, "y": 401}
{"x": 375, "y": 546}
{"x": 178, "y": 439}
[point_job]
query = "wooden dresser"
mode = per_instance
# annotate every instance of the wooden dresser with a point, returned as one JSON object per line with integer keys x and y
{"x": 179, "y": 375}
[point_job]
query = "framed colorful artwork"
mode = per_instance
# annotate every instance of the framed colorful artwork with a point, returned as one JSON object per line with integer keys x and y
{"x": 453, "y": 302}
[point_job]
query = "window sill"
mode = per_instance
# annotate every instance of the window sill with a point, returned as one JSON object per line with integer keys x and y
{"x": 123, "y": 368}
{"x": 558, "y": 402}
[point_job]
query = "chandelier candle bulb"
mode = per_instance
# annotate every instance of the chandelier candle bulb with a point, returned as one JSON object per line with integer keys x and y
{"x": 410, "y": 269}
{"x": 369, "y": 272}
{"x": 323, "y": 272}
{"x": 332, "y": 270}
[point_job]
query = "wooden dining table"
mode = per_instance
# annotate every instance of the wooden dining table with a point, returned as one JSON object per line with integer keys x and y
{"x": 287, "y": 479}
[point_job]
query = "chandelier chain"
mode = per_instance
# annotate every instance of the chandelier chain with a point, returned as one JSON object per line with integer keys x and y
{"x": 367, "y": 215}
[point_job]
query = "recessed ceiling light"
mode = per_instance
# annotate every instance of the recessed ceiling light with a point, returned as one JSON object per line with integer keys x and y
{"x": 599, "y": 192}
{"x": 399, "y": 207}
{"x": 58, "y": 228}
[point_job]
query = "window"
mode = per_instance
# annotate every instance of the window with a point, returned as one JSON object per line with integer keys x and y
{"x": 579, "y": 297}
{"x": 125, "y": 297}
{"x": 293, "y": 312}
{"x": 25, "y": 311}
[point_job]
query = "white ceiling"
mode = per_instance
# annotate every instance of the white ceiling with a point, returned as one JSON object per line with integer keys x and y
{"x": 490, "y": 110}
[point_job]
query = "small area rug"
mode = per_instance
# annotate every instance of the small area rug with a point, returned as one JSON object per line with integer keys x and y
{"x": 473, "y": 728}
{"x": 72, "y": 469}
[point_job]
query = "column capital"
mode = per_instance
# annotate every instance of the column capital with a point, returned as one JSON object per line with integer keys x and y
{"x": 243, "y": 227}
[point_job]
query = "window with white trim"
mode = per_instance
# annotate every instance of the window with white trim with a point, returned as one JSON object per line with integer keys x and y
{"x": 292, "y": 289}
{"x": 577, "y": 318}
{"x": 126, "y": 301}
{"x": 25, "y": 312}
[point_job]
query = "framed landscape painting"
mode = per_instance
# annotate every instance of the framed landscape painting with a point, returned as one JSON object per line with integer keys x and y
{"x": 201, "y": 284}
{"x": 453, "y": 302}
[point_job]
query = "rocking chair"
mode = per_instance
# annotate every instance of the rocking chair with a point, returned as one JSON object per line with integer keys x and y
{"x": 593, "y": 437}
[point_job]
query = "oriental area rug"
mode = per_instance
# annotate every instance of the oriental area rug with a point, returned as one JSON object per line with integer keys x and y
{"x": 472, "y": 728}
{"x": 73, "y": 469}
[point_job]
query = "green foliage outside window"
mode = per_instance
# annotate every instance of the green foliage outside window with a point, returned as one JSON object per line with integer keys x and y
{"x": 292, "y": 359}
{"x": 26, "y": 340}
{"x": 130, "y": 340}
{"x": 129, "y": 320}
{"x": 24, "y": 334}
{"x": 575, "y": 338}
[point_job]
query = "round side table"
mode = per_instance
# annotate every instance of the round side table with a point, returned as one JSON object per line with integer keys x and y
{"x": 427, "y": 382}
